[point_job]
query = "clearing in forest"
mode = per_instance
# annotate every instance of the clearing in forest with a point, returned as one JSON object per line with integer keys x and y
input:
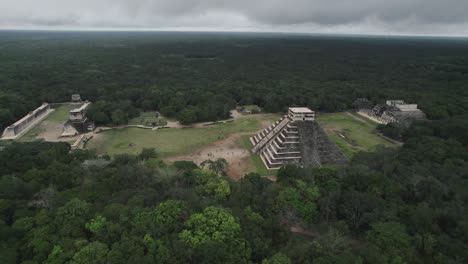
{"x": 175, "y": 141}
{"x": 230, "y": 140}
{"x": 351, "y": 133}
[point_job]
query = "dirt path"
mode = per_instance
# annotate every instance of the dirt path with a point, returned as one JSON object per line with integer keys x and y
{"x": 299, "y": 230}
{"x": 370, "y": 117}
{"x": 230, "y": 148}
{"x": 234, "y": 113}
{"x": 356, "y": 118}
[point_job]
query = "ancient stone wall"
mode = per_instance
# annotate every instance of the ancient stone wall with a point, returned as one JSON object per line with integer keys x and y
{"x": 26, "y": 122}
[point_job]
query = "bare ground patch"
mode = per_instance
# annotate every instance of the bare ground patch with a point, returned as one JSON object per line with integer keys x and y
{"x": 230, "y": 148}
{"x": 51, "y": 131}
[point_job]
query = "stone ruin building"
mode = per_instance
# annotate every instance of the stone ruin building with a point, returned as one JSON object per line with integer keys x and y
{"x": 393, "y": 111}
{"x": 76, "y": 98}
{"x": 23, "y": 125}
{"x": 296, "y": 139}
{"x": 362, "y": 104}
{"x": 78, "y": 122}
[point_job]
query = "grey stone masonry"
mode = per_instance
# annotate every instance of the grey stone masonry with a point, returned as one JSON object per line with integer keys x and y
{"x": 393, "y": 111}
{"x": 21, "y": 126}
{"x": 296, "y": 139}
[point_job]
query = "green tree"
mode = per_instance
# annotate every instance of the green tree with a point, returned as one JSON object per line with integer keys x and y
{"x": 72, "y": 218}
{"x": 214, "y": 224}
{"x": 157, "y": 249}
{"x": 169, "y": 216}
{"x": 188, "y": 115}
{"x": 301, "y": 199}
{"x": 56, "y": 256}
{"x": 100, "y": 118}
{"x": 95, "y": 253}
{"x": 119, "y": 117}
{"x": 211, "y": 185}
{"x": 390, "y": 238}
{"x": 278, "y": 258}
{"x": 147, "y": 153}
{"x": 96, "y": 225}
{"x": 218, "y": 166}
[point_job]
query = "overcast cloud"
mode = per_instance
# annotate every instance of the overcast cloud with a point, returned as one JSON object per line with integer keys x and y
{"x": 421, "y": 17}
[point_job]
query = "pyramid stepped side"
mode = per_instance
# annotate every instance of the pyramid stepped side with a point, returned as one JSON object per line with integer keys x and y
{"x": 309, "y": 143}
{"x": 283, "y": 149}
{"x": 264, "y": 137}
{"x": 257, "y": 138}
{"x": 328, "y": 151}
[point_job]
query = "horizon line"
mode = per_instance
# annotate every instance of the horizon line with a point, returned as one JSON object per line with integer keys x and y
{"x": 142, "y": 30}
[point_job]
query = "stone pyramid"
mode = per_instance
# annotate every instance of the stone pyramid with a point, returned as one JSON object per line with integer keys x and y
{"x": 296, "y": 139}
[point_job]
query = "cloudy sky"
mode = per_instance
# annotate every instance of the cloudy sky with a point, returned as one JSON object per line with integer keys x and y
{"x": 407, "y": 17}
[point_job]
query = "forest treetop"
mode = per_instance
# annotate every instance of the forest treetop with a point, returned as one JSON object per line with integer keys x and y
{"x": 198, "y": 77}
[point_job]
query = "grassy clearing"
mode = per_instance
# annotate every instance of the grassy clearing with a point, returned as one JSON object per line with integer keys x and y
{"x": 255, "y": 160}
{"x": 171, "y": 141}
{"x": 61, "y": 113}
{"x": 351, "y": 134}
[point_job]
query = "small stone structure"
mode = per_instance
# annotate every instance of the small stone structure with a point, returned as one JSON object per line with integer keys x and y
{"x": 76, "y": 98}
{"x": 26, "y": 123}
{"x": 79, "y": 142}
{"x": 77, "y": 122}
{"x": 249, "y": 109}
{"x": 393, "y": 111}
{"x": 362, "y": 104}
{"x": 296, "y": 139}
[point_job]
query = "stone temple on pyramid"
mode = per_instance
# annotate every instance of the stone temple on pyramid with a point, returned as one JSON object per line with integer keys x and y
{"x": 296, "y": 139}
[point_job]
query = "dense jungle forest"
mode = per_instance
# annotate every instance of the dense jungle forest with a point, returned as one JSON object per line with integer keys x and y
{"x": 201, "y": 76}
{"x": 397, "y": 205}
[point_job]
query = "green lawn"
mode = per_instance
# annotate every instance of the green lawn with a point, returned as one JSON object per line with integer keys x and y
{"x": 61, "y": 113}
{"x": 171, "y": 141}
{"x": 349, "y": 134}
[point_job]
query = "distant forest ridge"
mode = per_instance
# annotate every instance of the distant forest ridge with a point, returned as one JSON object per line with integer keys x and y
{"x": 200, "y": 76}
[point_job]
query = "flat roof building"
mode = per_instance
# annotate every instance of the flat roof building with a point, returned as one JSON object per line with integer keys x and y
{"x": 301, "y": 114}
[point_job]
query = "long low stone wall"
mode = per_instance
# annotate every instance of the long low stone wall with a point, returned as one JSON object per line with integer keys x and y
{"x": 79, "y": 142}
{"x": 23, "y": 125}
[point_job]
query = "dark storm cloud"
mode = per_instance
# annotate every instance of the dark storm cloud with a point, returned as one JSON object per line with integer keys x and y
{"x": 343, "y": 16}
